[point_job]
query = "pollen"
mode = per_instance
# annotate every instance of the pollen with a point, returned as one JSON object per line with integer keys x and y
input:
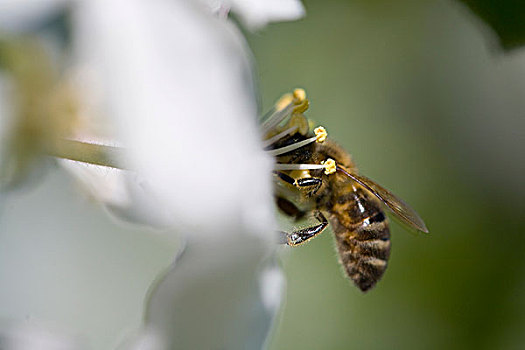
{"x": 321, "y": 134}
{"x": 300, "y": 101}
{"x": 329, "y": 166}
{"x": 299, "y": 94}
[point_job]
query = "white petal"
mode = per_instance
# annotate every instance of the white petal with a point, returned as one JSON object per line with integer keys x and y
{"x": 212, "y": 298}
{"x": 18, "y": 15}
{"x": 180, "y": 89}
{"x": 65, "y": 266}
{"x": 26, "y": 336}
{"x": 258, "y": 13}
{"x": 123, "y": 193}
{"x": 272, "y": 284}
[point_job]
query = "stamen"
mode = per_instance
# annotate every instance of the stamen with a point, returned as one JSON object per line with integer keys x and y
{"x": 279, "y": 136}
{"x": 300, "y": 100}
{"x": 301, "y": 122}
{"x": 302, "y": 106}
{"x": 280, "y": 166}
{"x": 299, "y": 94}
{"x": 267, "y": 115}
{"x": 287, "y": 104}
{"x": 284, "y": 101}
{"x": 277, "y": 117}
{"x": 321, "y": 134}
{"x": 293, "y": 147}
{"x": 330, "y": 166}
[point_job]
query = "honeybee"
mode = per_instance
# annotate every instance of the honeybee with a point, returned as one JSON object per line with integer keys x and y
{"x": 316, "y": 177}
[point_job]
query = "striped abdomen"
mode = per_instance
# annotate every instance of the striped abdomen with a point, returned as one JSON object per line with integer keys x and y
{"x": 362, "y": 235}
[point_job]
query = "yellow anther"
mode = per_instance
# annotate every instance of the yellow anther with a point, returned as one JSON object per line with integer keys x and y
{"x": 302, "y": 106}
{"x": 301, "y": 122}
{"x": 284, "y": 101}
{"x": 329, "y": 166}
{"x": 299, "y": 95}
{"x": 321, "y": 134}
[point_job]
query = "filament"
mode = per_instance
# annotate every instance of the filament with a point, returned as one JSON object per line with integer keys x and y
{"x": 280, "y": 166}
{"x": 279, "y": 136}
{"x": 288, "y": 104}
{"x": 278, "y": 116}
{"x": 293, "y": 147}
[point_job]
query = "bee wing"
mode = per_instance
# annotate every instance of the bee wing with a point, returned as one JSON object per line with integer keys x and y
{"x": 402, "y": 210}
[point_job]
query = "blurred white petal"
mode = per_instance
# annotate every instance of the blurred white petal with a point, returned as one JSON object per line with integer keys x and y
{"x": 179, "y": 86}
{"x": 272, "y": 285}
{"x": 123, "y": 193}
{"x": 19, "y": 15}
{"x": 64, "y": 264}
{"x": 212, "y": 298}
{"x": 180, "y": 90}
{"x": 258, "y": 13}
{"x": 144, "y": 339}
{"x": 102, "y": 183}
{"x": 26, "y": 336}
{"x": 173, "y": 82}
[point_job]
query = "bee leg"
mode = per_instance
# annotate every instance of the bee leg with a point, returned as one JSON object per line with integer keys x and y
{"x": 309, "y": 184}
{"x": 300, "y": 236}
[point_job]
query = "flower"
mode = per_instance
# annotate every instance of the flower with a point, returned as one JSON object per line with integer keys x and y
{"x": 171, "y": 83}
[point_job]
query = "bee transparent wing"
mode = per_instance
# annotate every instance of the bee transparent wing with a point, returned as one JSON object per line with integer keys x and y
{"x": 402, "y": 210}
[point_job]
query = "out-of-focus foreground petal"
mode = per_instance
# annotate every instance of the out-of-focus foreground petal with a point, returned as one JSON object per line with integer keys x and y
{"x": 258, "y": 13}
{"x": 67, "y": 271}
{"x": 22, "y": 336}
{"x": 211, "y": 301}
{"x": 22, "y": 15}
{"x": 179, "y": 86}
{"x": 180, "y": 91}
{"x": 177, "y": 89}
{"x": 123, "y": 193}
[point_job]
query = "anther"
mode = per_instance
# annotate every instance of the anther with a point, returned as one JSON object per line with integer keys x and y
{"x": 321, "y": 134}
{"x": 329, "y": 166}
{"x": 302, "y": 106}
{"x": 288, "y": 104}
{"x": 300, "y": 122}
{"x": 300, "y": 100}
{"x": 299, "y": 94}
{"x": 284, "y": 101}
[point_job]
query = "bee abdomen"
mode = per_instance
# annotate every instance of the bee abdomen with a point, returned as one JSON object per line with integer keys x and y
{"x": 363, "y": 241}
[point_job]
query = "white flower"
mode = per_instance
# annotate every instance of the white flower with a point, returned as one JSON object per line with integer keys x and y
{"x": 172, "y": 85}
{"x": 255, "y": 13}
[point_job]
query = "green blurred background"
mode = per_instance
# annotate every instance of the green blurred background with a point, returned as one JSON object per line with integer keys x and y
{"x": 419, "y": 94}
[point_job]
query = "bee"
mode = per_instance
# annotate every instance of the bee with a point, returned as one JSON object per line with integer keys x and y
{"x": 316, "y": 177}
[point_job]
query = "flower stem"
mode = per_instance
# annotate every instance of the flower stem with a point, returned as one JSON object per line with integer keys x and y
{"x": 91, "y": 153}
